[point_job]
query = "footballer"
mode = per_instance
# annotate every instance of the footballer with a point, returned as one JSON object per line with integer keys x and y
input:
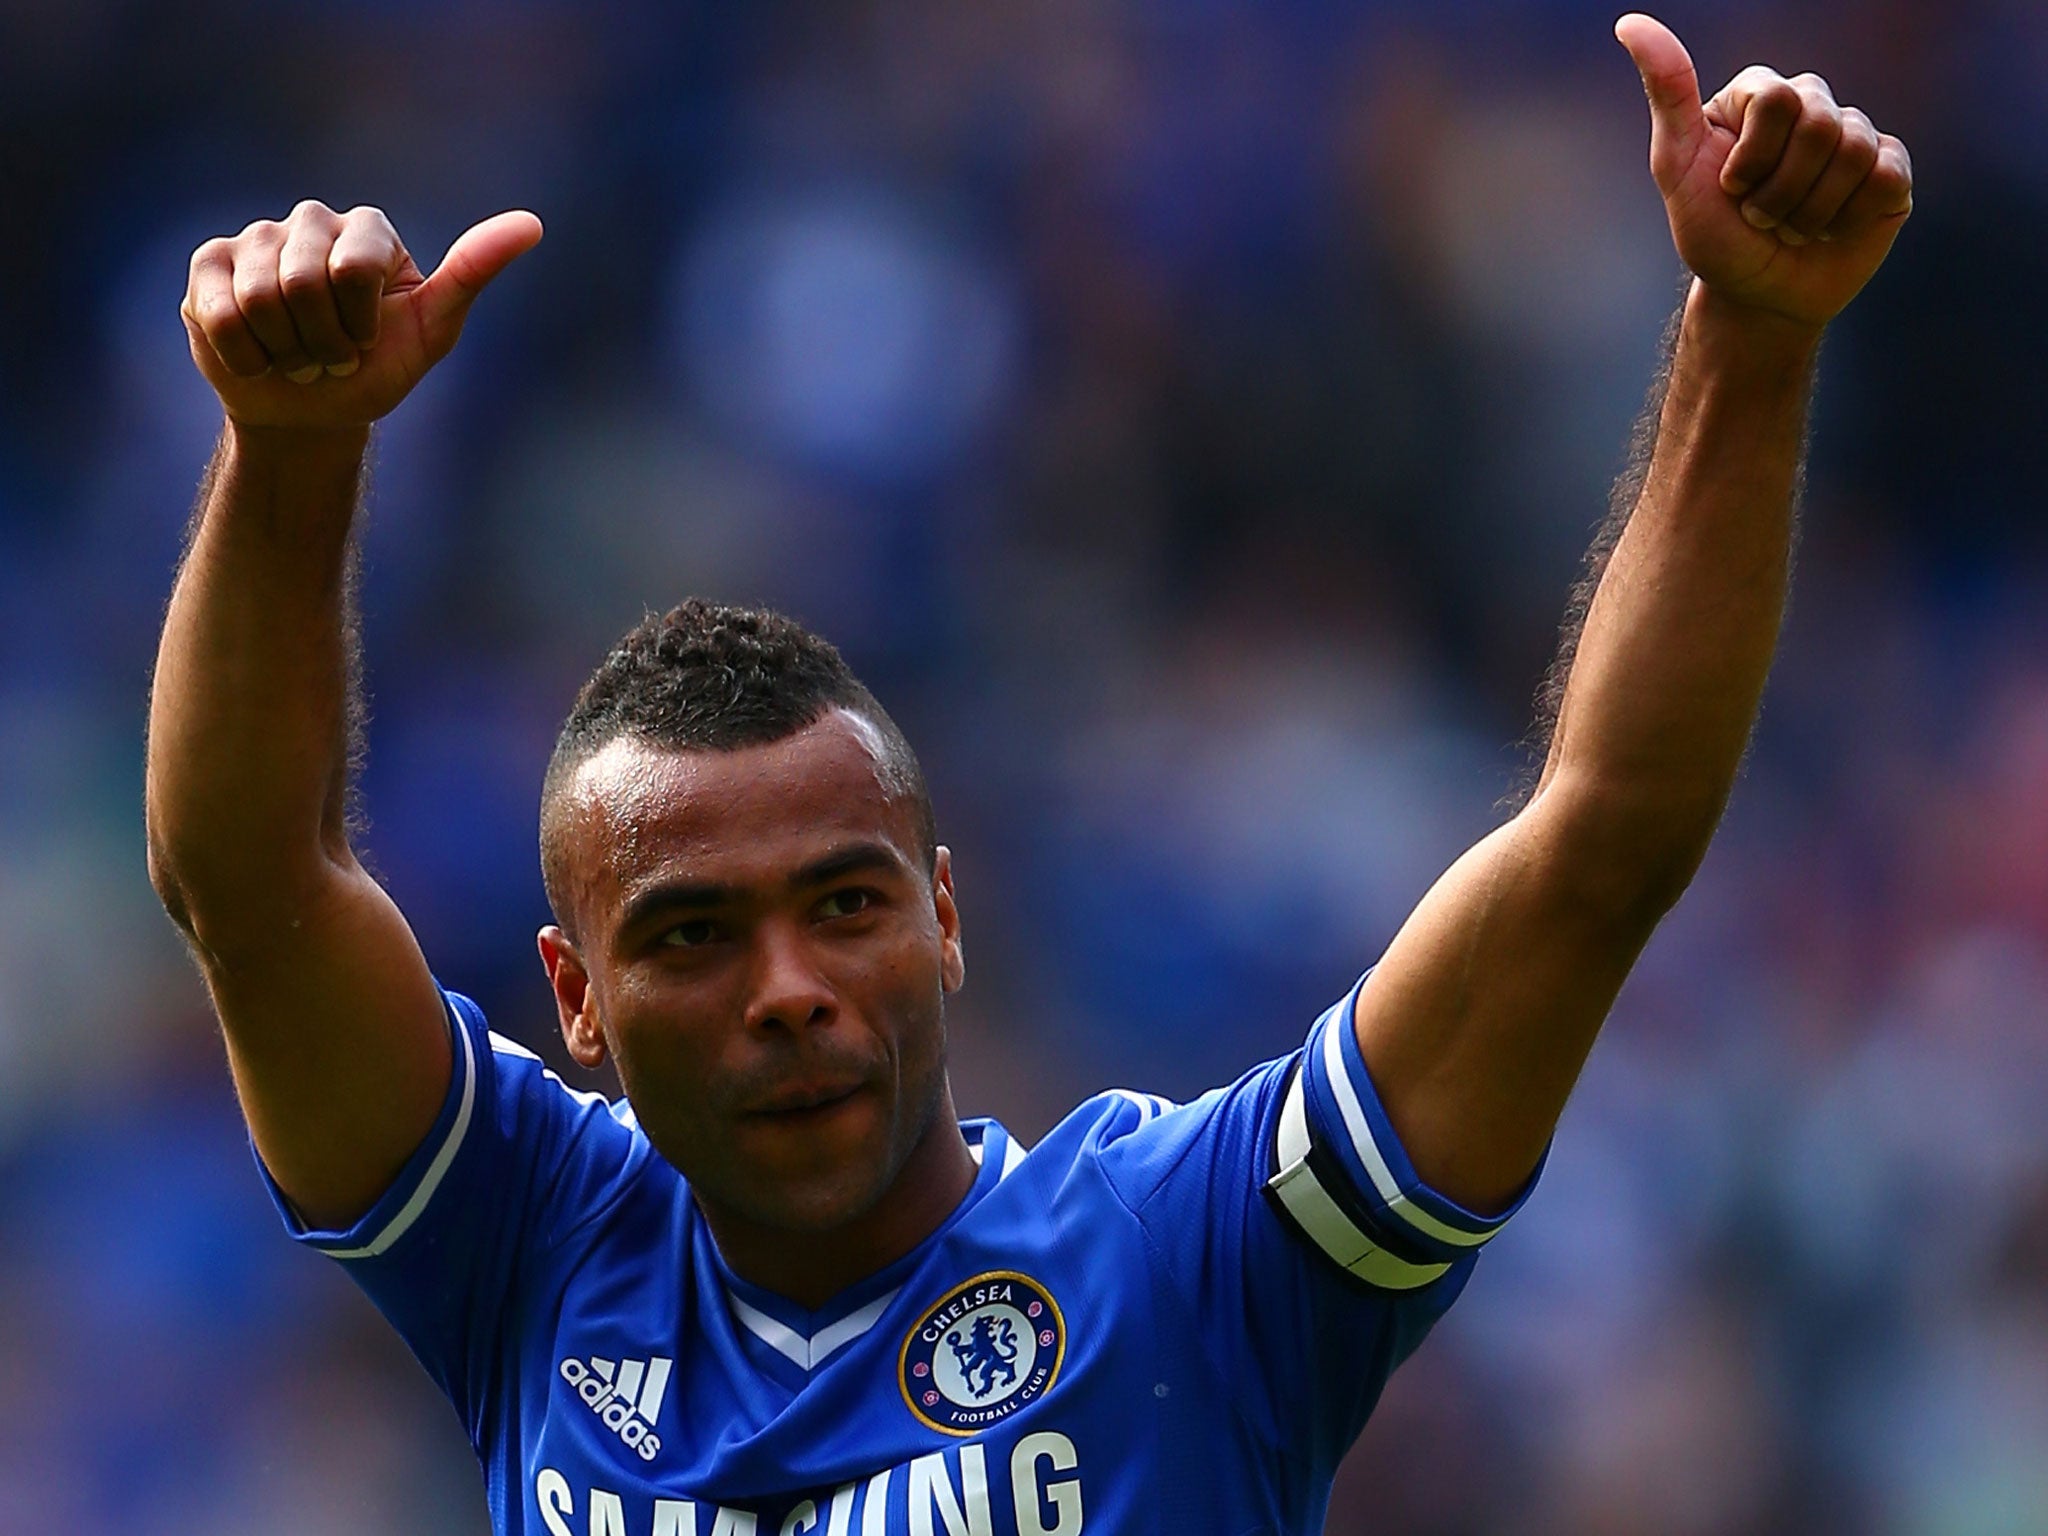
{"x": 781, "y": 1286}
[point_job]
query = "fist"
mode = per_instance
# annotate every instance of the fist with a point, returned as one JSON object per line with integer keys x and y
{"x": 1778, "y": 196}
{"x": 324, "y": 320}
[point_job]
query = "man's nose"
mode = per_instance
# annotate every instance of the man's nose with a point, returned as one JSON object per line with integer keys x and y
{"x": 788, "y": 991}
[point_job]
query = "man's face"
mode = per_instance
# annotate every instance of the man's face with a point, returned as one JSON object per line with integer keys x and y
{"x": 763, "y": 953}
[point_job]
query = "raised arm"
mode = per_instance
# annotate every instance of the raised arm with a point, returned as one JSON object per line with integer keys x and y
{"x": 1477, "y": 1021}
{"x": 309, "y": 330}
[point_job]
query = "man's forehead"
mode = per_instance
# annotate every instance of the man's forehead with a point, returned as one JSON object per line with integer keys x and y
{"x": 644, "y": 805}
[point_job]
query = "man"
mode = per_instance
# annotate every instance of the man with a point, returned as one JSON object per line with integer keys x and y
{"x": 783, "y": 1286}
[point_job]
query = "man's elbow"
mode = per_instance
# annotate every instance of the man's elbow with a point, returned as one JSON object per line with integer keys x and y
{"x": 1623, "y": 850}
{"x": 232, "y": 909}
{"x": 170, "y": 891}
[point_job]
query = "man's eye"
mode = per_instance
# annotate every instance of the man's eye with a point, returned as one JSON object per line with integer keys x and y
{"x": 845, "y": 903}
{"x": 690, "y": 935}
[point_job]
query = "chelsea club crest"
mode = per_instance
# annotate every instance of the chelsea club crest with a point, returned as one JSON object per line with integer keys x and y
{"x": 988, "y": 1348}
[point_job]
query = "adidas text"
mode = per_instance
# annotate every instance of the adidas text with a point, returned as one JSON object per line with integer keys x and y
{"x": 625, "y": 1395}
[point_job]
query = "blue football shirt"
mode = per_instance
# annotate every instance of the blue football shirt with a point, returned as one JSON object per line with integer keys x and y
{"x": 1160, "y": 1319}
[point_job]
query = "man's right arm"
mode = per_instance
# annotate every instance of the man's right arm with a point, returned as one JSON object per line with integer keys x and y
{"x": 309, "y": 330}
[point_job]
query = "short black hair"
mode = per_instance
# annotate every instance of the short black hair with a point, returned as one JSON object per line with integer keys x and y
{"x": 714, "y": 677}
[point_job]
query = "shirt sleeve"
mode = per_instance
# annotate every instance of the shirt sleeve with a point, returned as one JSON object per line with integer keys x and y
{"x": 1295, "y": 1229}
{"x": 515, "y": 1163}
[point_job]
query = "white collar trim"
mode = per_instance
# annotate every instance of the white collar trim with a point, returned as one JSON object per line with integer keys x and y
{"x": 812, "y": 1352}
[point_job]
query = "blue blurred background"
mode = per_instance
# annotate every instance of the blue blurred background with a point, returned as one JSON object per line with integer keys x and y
{"x": 1189, "y": 417}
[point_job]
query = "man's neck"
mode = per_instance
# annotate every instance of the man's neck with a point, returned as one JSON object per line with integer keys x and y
{"x": 810, "y": 1268}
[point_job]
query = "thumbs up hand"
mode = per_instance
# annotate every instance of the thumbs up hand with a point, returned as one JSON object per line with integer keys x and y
{"x": 1778, "y": 197}
{"x": 324, "y": 321}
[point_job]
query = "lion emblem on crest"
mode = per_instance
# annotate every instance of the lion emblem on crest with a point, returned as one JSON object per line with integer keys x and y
{"x": 990, "y": 1348}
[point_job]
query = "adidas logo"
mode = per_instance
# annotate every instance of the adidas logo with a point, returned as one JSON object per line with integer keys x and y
{"x": 625, "y": 1394}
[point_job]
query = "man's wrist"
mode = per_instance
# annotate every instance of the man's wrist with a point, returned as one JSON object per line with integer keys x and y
{"x": 1747, "y": 337}
{"x": 306, "y": 448}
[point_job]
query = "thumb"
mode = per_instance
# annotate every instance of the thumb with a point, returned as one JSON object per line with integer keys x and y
{"x": 1677, "y": 125}
{"x": 479, "y": 254}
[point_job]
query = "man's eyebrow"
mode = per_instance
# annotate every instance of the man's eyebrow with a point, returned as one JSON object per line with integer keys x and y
{"x": 694, "y": 895}
{"x": 674, "y": 896}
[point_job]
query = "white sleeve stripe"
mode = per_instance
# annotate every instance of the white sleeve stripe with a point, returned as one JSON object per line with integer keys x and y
{"x": 1397, "y": 1203}
{"x": 1323, "y": 1222}
{"x": 431, "y": 1181}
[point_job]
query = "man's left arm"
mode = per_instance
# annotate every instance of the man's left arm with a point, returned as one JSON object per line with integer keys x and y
{"x": 1475, "y": 1024}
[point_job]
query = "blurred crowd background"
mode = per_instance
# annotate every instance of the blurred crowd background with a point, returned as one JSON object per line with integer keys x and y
{"x": 1190, "y": 418}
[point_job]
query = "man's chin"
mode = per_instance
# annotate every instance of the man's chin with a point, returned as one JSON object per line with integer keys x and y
{"x": 816, "y": 1170}
{"x": 821, "y": 1203}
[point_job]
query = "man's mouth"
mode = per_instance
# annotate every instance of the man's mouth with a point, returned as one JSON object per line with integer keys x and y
{"x": 805, "y": 1099}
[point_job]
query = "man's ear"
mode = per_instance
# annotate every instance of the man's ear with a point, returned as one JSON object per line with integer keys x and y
{"x": 952, "y": 959}
{"x": 574, "y": 1004}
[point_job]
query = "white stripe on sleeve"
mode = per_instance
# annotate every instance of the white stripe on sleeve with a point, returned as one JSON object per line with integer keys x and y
{"x": 1322, "y": 1220}
{"x": 396, "y": 1228}
{"x": 1398, "y": 1204}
